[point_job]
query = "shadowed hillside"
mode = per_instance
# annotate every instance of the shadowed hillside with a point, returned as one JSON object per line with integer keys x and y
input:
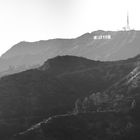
{"x": 109, "y": 115}
{"x": 31, "y": 96}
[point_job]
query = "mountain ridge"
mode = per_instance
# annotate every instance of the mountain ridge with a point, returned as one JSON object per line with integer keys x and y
{"x": 120, "y": 45}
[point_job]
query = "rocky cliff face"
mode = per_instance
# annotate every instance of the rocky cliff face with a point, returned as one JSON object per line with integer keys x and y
{"x": 121, "y": 96}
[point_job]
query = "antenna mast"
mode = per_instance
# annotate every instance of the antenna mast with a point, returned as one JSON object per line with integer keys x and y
{"x": 127, "y": 27}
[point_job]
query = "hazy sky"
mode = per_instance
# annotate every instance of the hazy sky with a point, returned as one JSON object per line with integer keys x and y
{"x": 33, "y": 20}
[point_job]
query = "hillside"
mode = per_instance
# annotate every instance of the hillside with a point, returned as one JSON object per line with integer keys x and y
{"x": 33, "y": 95}
{"x": 98, "y": 45}
{"x": 86, "y": 126}
{"x": 109, "y": 115}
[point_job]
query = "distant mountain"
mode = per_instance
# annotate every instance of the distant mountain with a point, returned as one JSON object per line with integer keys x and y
{"x": 33, "y": 95}
{"x": 98, "y": 45}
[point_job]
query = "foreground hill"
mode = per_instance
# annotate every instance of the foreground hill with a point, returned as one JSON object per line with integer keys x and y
{"x": 109, "y": 115}
{"x": 33, "y": 95}
{"x": 98, "y": 45}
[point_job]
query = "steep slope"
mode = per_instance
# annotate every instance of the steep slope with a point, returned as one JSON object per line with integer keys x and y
{"x": 98, "y": 45}
{"x": 121, "y": 96}
{"x": 52, "y": 89}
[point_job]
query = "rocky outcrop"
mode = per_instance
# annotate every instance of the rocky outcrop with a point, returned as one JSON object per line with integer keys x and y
{"x": 101, "y": 102}
{"x": 121, "y": 96}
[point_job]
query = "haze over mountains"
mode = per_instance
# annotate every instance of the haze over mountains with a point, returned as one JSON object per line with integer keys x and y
{"x": 26, "y": 55}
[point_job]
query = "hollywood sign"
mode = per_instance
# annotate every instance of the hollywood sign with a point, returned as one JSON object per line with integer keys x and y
{"x": 102, "y": 37}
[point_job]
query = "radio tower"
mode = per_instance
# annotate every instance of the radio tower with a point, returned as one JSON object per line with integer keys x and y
{"x": 127, "y": 26}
